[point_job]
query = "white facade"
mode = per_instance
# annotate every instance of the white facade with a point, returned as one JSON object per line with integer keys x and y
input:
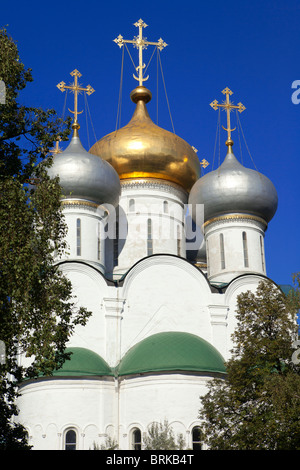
{"x": 163, "y": 304}
{"x": 148, "y": 293}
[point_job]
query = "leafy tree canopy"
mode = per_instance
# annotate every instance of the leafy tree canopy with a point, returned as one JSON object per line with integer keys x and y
{"x": 38, "y": 313}
{"x": 258, "y": 406}
{"x": 160, "y": 436}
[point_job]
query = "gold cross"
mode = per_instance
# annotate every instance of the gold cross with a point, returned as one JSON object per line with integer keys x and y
{"x": 56, "y": 149}
{"x": 228, "y": 106}
{"x": 204, "y": 163}
{"x": 140, "y": 43}
{"x": 75, "y": 88}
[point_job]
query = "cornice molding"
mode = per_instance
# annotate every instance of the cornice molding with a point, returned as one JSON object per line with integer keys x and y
{"x": 159, "y": 184}
{"x": 235, "y": 217}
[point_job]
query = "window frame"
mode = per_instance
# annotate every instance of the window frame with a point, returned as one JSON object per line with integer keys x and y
{"x": 78, "y": 237}
{"x": 66, "y": 444}
{"x": 136, "y": 444}
{"x": 245, "y": 250}
{"x": 149, "y": 238}
{"x": 222, "y": 251}
{"x": 196, "y": 442}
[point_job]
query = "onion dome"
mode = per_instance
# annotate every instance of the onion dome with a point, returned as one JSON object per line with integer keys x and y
{"x": 142, "y": 149}
{"x": 232, "y": 188}
{"x": 172, "y": 351}
{"x": 84, "y": 175}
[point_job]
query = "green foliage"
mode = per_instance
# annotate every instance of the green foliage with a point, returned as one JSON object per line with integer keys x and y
{"x": 110, "y": 444}
{"x": 38, "y": 313}
{"x": 161, "y": 437}
{"x": 258, "y": 406}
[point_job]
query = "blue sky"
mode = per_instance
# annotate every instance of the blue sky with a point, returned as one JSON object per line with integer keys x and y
{"x": 250, "y": 46}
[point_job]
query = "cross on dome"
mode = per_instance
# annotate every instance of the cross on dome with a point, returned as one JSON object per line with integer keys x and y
{"x": 140, "y": 43}
{"x": 228, "y": 106}
{"x": 76, "y": 89}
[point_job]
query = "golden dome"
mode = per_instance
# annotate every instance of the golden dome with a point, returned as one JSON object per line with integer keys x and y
{"x": 141, "y": 149}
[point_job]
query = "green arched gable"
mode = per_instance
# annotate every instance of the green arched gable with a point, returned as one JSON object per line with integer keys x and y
{"x": 171, "y": 351}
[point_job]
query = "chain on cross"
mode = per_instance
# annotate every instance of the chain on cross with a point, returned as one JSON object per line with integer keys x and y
{"x": 140, "y": 43}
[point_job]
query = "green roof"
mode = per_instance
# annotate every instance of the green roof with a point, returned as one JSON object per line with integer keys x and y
{"x": 83, "y": 362}
{"x": 171, "y": 351}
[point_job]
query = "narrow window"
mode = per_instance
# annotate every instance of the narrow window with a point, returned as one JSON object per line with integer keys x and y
{"x": 262, "y": 253}
{"x": 196, "y": 437}
{"x": 136, "y": 439}
{"x": 131, "y": 205}
{"x": 207, "y": 258}
{"x": 166, "y": 209}
{"x": 116, "y": 244}
{"x": 222, "y": 251}
{"x": 178, "y": 241}
{"x": 99, "y": 242}
{"x": 149, "y": 238}
{"x": 78, "y": 237}
{"x": 70, "y": 440}
{"x": 245, "y": 249}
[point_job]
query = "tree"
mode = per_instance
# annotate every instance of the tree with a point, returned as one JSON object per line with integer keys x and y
{"x": 161, "y": 437}
{"x": 258, "y": 405}
{"x": 38, "y": 313}
{"x": 110, "y": 444}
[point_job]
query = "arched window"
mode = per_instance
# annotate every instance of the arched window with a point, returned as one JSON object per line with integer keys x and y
{"x": 222, "y": 252}
{"x": 245, "y": 250}
{"x": 196, "y": 438}
{"x": 166, "y": 208}
{"x": 136, "y": 439}
{"x": 78, "y": 237}
{"x": 70, "y": 440}
{"x": 149, "y": 238}
{"x": 131, "y": 205}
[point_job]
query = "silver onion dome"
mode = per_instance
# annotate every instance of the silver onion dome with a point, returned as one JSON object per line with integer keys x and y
{"x": 232, "y": 188}
{"x": 85, "y": 176}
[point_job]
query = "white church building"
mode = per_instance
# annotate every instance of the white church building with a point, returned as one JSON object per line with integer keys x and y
{"x": 162, "y": 298}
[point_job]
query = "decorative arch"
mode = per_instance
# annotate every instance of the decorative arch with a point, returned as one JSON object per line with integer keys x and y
{"x": 164, "y": 260}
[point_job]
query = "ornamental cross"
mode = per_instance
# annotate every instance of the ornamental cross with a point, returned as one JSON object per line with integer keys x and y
{"x": 140, "y": 43}
{"x": 56, "y": 149}
{"x": 76, "y": 89}
{"x": 228, "y": 106}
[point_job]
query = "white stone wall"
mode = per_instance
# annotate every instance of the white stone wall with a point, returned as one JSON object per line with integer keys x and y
{"x": 164, "y": 205}
{"x": 164, "y": 293}
{"x": 92, "y": 240}
{"x": 232, "y": 230}
{"x": 155, "y": 398}
{"x": 48, "y": 408}
{"x": 160, "y": 293}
